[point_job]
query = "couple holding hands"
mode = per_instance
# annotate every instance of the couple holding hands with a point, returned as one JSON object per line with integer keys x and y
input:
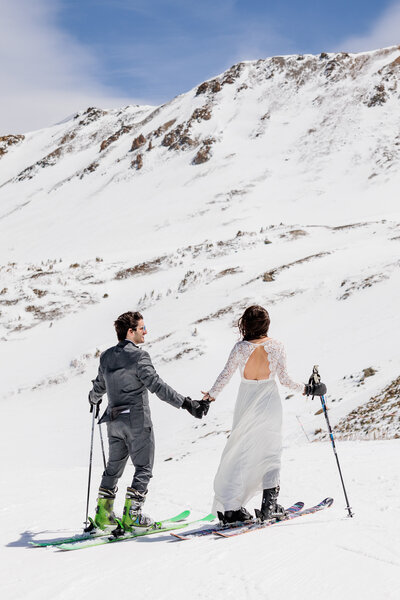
{"x": 251, "y": 459}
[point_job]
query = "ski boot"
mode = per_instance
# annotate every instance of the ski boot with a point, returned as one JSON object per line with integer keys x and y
{"x": 133, "y": 518}
{"x": 105, "y": 517}
{"x": 235, "y": 516}
{"x": 270, "y": 509}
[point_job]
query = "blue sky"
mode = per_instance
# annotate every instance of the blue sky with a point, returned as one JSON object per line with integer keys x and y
{"x": 59, "y": 56}
{"x": 156, "y": 49}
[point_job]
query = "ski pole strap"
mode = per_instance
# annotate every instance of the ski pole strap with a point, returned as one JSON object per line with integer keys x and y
{"x": 95, "y": 408}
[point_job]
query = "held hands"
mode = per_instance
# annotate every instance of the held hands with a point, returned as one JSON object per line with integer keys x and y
{"x": 197, "y": 408}
{"x": 206, "y": 396}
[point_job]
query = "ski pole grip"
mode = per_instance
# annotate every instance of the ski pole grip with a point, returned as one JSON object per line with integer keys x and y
{"x": 315, "y": 387}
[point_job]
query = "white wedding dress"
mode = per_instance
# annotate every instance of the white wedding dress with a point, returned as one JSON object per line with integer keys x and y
{"x": 251, "y": 459}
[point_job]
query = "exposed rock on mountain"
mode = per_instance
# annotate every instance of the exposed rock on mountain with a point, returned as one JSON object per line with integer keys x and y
{"x": 138, "y": 142}
{"x": 294, "y": 109}
{"x": 379, "y": 418}
{"x": 138, "y": 162}
{"x": 89, "y": 115}
{"x": 9, "y": 140}
{"x": 114, "y": 137}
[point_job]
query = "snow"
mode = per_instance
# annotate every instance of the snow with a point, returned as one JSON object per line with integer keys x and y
{"x": 189, "y": 246}
{"x": 325, "y": 555}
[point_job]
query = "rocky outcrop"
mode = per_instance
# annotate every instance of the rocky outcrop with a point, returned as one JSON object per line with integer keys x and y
{"x": 204, "y": 153}
{"x": 163, "y": 128}
{"x": 143, "y": 268}
{"x": 215, "y": 85}
{"x": 233, "y": 73}
{"x": 68, "y": 137}
{"x": 378, "y": 97}
{"x": 90, "y": 115}
{"x": 48, "y": 161}
{"x": 169, "y": 139}
{"x": 379, "y": 418}
{"x": 391, "y": 69}
{"x": 138, "y": 142}
{"x": 212, "y": 86}
{"x": 178, "y": 138}
{"x": 115, "y": 136}
{"x": 90, "y": 169}
{"x": 9, "y": 140}
{"x": 201, "y": 114}
{"x": 137, "y": 162}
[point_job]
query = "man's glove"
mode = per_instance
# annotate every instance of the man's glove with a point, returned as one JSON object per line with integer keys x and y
{"x": 315, "y": 389}
{"x": 197, "y": 408}
{"x": 206, "y": 405}
{"x": 94, "y": 405}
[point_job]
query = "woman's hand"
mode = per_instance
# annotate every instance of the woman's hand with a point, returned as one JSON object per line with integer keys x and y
{"x": 206, "y": 396}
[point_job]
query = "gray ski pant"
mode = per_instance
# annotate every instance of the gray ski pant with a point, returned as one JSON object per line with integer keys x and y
{"x": 126, "y": 441}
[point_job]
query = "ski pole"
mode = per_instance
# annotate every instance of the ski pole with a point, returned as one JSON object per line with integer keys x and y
{"x": 102, "y": 446}
{"x": 348, "y": 507}
{"x": 316, "y": 388}
{"x": 90, "y": 468}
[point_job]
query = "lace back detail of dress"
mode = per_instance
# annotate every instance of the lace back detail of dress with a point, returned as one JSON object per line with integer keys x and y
{"x": 257, "y": 365}
{"x": 239, "y": 356}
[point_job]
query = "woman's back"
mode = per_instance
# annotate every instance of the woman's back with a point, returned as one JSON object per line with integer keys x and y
{"x": 256, "y": 361}
{"x": 257, "y": 365}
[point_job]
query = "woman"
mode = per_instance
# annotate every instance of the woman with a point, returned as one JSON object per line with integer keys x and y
{"x": 251, "y": 459}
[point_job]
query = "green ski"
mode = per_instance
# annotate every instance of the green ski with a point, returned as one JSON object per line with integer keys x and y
{"x": 157, "y": 528}
{"x": 97, "y": 534}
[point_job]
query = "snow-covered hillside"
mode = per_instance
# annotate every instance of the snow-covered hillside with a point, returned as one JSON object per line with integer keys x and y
{"x": 294, "y": 139}
{"x": 273, "y": 183}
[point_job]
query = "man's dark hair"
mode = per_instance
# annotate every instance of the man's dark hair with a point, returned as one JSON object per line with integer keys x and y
{"x": 254, "y": 323}
{"x": 128, "y": 320}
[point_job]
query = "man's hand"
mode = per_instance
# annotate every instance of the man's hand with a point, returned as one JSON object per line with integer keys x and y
{"x": 94, "y": 405}
{"x": 197, "y": 408}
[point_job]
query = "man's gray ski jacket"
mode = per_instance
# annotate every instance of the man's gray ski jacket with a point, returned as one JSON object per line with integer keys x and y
{"x": 126, "y": 373}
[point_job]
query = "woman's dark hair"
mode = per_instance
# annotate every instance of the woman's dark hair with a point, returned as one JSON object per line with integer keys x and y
{"x": 128, "y": 320}
{"x": 254, "y": 323}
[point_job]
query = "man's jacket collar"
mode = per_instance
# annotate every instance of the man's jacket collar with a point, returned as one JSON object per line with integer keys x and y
{"x": 124, "y": 343}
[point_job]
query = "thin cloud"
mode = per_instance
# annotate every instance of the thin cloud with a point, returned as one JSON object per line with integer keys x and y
{"x": 384, "y": 32}
{"x": 183, "y": 55}
{"x": 45, "y": 73}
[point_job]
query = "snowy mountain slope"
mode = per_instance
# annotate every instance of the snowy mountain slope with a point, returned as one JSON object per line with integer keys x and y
{"x": 323, "y": 286}
{"x": 292, "y": 137}
{"x": 295, "y": 207}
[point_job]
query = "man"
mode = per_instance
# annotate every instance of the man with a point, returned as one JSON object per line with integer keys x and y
{"x": 126, "y": 373}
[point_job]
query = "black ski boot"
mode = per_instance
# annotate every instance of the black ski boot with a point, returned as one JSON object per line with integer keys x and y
{"x": 270, "y": 509}
{"x": 235, "y": 516}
